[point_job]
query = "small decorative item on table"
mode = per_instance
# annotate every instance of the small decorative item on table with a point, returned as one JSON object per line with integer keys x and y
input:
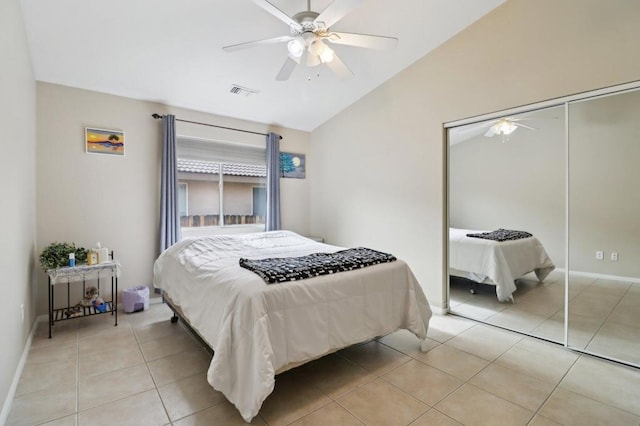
{"x": 103, "y": 253}
{"x": 92, "y": 257}
{"x": 56, "y": 255}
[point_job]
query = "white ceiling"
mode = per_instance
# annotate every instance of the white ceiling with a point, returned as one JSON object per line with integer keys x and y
{"x": 169, "y": 51}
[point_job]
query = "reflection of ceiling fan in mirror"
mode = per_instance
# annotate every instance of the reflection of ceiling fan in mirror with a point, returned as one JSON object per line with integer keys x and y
{"x": 309, "y": 33}
{"x": 505, "y": 126}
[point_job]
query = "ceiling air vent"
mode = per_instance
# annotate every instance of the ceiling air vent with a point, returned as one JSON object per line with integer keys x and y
{"x": 239, "y": 90}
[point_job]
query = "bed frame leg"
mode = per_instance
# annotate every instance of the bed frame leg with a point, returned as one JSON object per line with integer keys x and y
{"x": 473, "y": 288}
{"x": 174, "y": 318}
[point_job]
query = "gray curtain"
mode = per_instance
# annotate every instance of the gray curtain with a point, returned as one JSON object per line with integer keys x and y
{"x": 169, "y": 216}
{"x": 272, "y": 221}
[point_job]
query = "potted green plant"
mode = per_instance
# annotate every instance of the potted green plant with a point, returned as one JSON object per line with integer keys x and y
{"x": 56, "y": 255}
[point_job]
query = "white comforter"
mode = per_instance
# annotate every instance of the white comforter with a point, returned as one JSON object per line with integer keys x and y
{"x": 257, "y": 329}
{"x": 501, "y": 262}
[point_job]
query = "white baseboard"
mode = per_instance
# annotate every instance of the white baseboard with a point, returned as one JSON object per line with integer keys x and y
{"x": 634, "y": 280}
{"x": 8, "y": 402}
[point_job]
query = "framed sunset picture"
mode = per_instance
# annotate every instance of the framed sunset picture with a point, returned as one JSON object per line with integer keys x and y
{"x": 101, "y": 141}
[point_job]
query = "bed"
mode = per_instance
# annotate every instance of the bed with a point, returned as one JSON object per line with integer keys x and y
{"x": 498, "y": 263}
{"x": 258, "y": 330}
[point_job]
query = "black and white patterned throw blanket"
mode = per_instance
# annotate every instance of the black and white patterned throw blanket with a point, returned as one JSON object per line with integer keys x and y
{"x": 501, "y": 235}
{"x": 281, "y": 269}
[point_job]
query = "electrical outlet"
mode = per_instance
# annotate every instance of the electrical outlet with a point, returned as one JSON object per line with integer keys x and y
{"x": 599, "y": 255}
{"x": 614, "y": 256}
{"x": 22, "y": 313}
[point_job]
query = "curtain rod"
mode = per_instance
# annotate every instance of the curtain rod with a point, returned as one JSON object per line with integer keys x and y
{"x": 158, "y": 116}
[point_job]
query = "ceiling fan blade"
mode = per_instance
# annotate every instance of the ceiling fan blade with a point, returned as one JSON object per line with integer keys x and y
{"x": 363, "y": 40}
{"x": 277, "y": 13}
{"x": 525, "y": 126}
{"x": 338, "y": 67}
{"x": 336, "y": 11}
{"x": 287, "y": 69}
{"x": 247, "y": 45}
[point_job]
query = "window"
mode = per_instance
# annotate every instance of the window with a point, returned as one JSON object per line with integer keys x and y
{"x": 183, "y": 206}
{"x": 226, "y": 184}
{"x": 259, "y": 207}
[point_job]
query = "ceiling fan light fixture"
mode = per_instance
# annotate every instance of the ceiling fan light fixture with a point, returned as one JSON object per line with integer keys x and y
{"x": 315, "y": 47}
{"x": 296, "y": 47}
{"x": 326, "y": 55}
{"x": 504, "y": 127}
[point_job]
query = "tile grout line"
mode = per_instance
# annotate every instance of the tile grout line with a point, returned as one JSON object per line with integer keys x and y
{"x": 608, "y": 316}
{"x": 380, "y": 377}
{"x": 467, "y": 382}
{"x": 377, "y": 377}
{"x": 78, "y": 412}
{"x": 606, "y": 362}
{"x": 431, "y": 407}
{"x": 155, "y": 384}
{"x": 555, "y": 388}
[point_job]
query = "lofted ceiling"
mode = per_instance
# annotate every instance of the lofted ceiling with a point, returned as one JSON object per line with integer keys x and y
{"x": 170, "y": 51}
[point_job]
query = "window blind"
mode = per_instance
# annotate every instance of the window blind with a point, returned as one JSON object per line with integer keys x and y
{"x": 226, "y": 152}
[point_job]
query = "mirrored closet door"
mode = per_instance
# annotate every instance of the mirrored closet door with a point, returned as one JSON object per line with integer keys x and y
{"x": 544, "y": 221}
{"x": 604, "y": 226}
{"x": 509, "y": 173}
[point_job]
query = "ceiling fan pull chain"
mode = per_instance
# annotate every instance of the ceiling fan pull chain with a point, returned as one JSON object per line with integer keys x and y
{"x": 308, "y": 5}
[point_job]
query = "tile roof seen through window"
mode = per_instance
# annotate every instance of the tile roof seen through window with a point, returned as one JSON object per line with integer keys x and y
{"x": 211, "y": 167}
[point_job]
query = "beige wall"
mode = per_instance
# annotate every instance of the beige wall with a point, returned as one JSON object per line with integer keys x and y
{"x": 392, "y": 140}
{"x": 87, "y": 198}
{"x": 18, "y": 186}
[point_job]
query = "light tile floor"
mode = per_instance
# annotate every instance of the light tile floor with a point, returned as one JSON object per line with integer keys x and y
{"x": 604, "y": 315}
{"x": 148, "y": 371}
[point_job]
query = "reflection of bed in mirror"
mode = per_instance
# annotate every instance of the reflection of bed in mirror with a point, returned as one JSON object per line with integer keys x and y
{"x": 498, "y": 263}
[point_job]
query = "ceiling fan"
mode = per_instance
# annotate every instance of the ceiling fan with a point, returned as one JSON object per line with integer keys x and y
{"x": 309, "y": 31}
{"x": 505, "y": 126}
